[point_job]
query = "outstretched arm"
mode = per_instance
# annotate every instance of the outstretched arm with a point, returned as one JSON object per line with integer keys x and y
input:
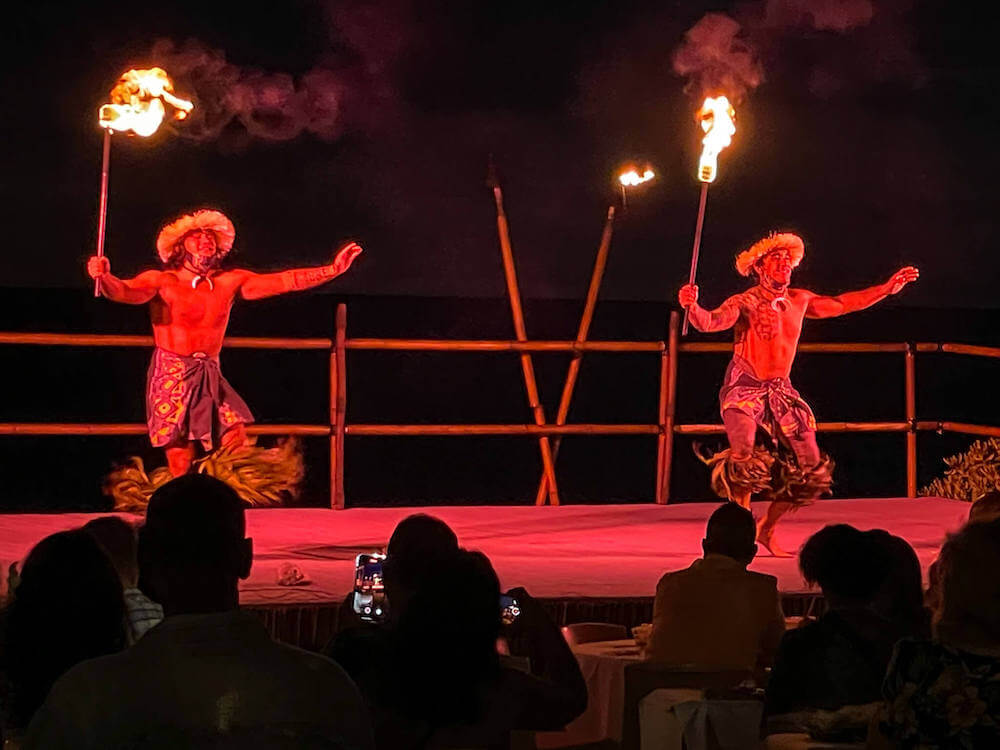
{"x": 848, "y": 302}
{"x": 137, "y": 291}
{"x": 260, "y": 285}
{"x": 719, "y": 319}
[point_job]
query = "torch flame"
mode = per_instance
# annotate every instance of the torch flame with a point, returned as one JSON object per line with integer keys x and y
{"x": 716, "y": 116}
{"x": 137, "y": 102}
{"x": 633, "y": 178}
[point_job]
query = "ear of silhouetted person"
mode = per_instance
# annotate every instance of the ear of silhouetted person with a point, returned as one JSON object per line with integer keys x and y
{"x": 731, "y": 532}
{"x": 193, "y": 548}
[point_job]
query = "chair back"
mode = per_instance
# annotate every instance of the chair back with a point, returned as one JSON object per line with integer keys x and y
{"x": 589, "y": 632}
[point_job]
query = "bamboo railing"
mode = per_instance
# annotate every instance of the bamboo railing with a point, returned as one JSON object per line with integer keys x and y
{"x": 337, "y": 429}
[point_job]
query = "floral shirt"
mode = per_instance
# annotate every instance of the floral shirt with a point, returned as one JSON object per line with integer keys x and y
{"x": 937, "y": 696}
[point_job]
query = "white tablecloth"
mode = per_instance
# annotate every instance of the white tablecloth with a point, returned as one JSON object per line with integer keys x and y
{"x": 603, "y": 666}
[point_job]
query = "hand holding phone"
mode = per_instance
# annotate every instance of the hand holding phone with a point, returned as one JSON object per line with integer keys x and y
{"x": 369, "y": 589}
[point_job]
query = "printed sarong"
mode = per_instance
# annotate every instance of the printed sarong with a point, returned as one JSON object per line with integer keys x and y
{"x": 773, "y": 404}
{"x": 188, "y": 399}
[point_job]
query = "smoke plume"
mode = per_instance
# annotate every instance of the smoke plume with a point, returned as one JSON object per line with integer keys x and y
{"x": 726, "y": 54}
{"x": 271, "y": 106}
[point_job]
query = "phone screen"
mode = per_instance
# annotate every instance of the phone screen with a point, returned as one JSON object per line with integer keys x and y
{"x": 369, "y": 589}
{"x": 509, "y": 609}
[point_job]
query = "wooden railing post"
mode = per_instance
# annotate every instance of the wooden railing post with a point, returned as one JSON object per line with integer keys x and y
{"x": 334, "y": 380}
{"x": 911, "y": 419}
{"x": 661, "y": 420}
{"x": 340, "y": 407}
{"x": 669, "y": 417}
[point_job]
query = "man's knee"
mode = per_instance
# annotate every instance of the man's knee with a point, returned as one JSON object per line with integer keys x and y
{"x": 235, "y": 435}
{"x": 179, "y": 458}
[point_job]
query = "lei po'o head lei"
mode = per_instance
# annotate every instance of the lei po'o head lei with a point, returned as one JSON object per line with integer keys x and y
{"x": 774, "y": 241}
{"x": 169, "y": 242}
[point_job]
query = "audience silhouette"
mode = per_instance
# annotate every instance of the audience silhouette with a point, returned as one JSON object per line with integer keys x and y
{"x": 208, "y": 675}
{"x": 68, "y": 607}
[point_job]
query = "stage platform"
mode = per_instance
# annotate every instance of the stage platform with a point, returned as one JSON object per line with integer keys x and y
{"x": 587, "y": 561}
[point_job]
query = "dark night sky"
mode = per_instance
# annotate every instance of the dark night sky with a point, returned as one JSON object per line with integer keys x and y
{"x": 877, "y": 144}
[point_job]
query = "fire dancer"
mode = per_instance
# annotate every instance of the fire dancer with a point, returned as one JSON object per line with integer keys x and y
{"x": 757, "y": 392}
{"x": 187, "y": 398}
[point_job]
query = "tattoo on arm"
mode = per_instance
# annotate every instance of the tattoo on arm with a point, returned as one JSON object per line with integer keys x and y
{"x": 305, "y": 278}
{"x": 723, "y": 317}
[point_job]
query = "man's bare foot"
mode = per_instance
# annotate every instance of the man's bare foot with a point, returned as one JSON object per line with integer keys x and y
{"x": 765, "y": 538}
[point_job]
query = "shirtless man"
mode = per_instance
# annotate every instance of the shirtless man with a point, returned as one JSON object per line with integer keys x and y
{"x": 187, "y": 399}
{"x": 757, "y": 391}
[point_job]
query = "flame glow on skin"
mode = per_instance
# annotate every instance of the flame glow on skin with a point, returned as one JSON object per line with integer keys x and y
{"x": 633, "y": 178}
{"x": 717, "y": 120}
{"x": 137, "y": 102}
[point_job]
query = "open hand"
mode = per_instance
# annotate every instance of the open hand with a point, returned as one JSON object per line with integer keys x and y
{"x": 345, "y": 256}
{"x": 98, "y": 266}
{"x": 688, "y": 295}
{"x": 902, "y": 277}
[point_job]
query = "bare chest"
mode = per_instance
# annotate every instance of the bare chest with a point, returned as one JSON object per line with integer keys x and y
{"x": 201, "y": 306}
{"x": 772, "y": 320}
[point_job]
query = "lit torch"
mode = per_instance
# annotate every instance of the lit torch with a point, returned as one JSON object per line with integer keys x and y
{"x": 631, "y": 178}
{"x": 717, "y": 118}
{"x": 137, "y": 106}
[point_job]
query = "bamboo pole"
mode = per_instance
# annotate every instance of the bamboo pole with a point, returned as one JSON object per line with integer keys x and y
{"x": 136, "y": 428}
{"x": 104, "y": 339}
{"x": 668, "y": 448}
{"x": 340, "y": 417}
{"x": 528, "y": 369}
{"x": 970, "y": 429}
{"x": 911, "y": 419}
{"x": 334, "y": 388}
{"x": 978, "y": 351}
{"x": 718, "y": 429}
{"x": 469, "y": 345}
{"x": 661, "y": 418}
{"x": 704, "y": 347}
{"x": 502, "y": 429}
{"x": 569, "y": 385}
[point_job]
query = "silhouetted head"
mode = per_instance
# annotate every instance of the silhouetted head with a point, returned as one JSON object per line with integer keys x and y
{"x": 192, "y": 548}
{"x": 117, "y": 538}
{"x": 731, "y": 532}
{"x": 986, "y": 508}
{"x": 67, "y": 607}
{"x": 900, "y": 598}
{"x": 445, "y": 639}
{"x": 969, "y": 614}
{"x": 418, "y": 546}
{"x": 847, "y": 564}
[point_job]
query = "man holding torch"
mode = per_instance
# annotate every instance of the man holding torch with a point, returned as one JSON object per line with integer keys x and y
{"x": 187, "y": 399}
{"x": 757, "y": 394}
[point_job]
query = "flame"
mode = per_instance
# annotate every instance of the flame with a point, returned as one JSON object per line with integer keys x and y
{"x": 137, "y": 102}
{"x": 716, "y": 116}
{"x": 633, "y": 178}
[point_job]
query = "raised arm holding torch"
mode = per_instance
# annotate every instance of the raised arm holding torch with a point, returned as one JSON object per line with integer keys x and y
{"x": 135, "y": 107}
{"x": 716, "y": 116}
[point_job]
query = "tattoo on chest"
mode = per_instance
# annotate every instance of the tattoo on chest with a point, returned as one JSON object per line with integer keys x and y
{"x": 761, "y": 317}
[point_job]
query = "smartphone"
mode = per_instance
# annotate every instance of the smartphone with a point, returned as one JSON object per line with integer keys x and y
{"x": 509, "y": 609}
{"x": 369, "y": 589}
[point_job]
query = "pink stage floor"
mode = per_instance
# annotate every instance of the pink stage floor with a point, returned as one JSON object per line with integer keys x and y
{"x": 573, "y": 551}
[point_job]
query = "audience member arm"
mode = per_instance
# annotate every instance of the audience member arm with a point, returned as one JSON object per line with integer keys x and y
{"x": 558, "y": 694}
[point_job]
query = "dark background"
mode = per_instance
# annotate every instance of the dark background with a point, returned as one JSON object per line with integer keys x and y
{"x": 877, "y": 144}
